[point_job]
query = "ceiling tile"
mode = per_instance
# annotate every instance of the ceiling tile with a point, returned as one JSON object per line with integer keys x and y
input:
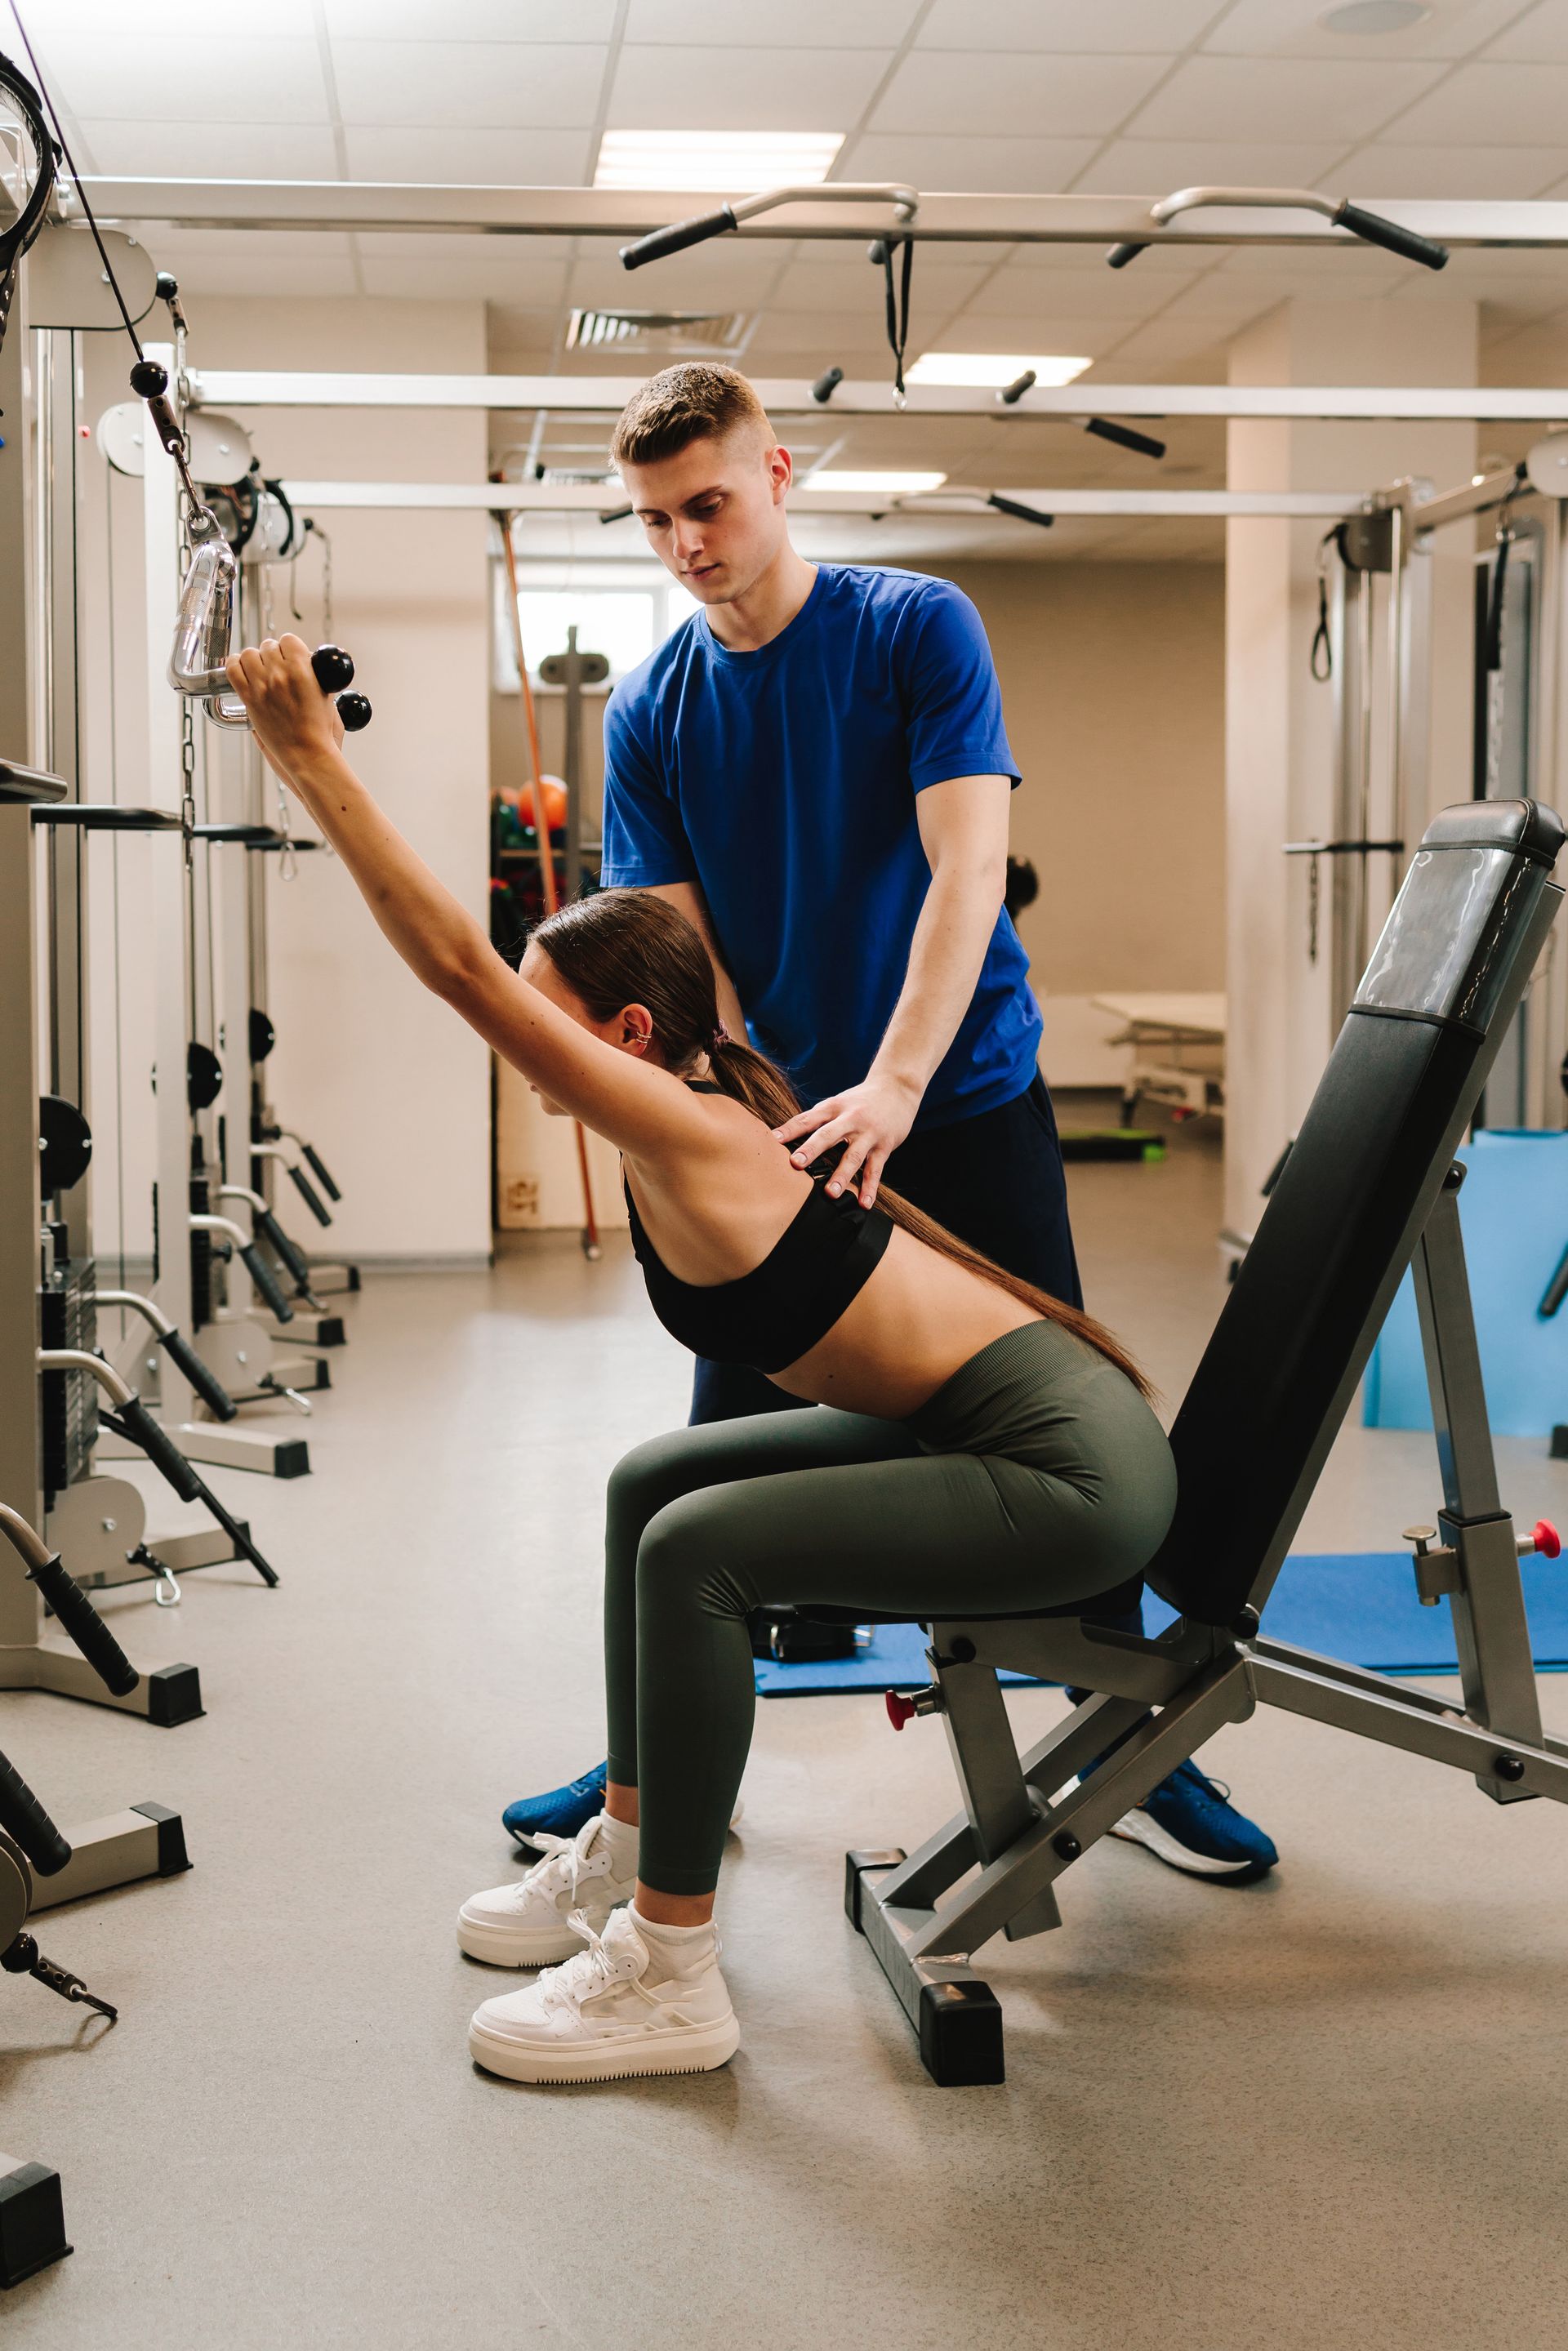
{"x": 1109, "y": 294}
{"x": 480, "y": 83}
{"x": 810, "y": 24}
{"x": 1489, "y": 106}
{"x": 669, "y": 89}
{"x": 1164, "y": 339}
{"x": 264, "y": 272}
{"x": 1111, "y": 27}
{"x": 1294, "y": 28}
{"x": 1539, "y": 37}
{"x": 727, "y": 275}
{"x": 1083, "y": 337}
{"x": 496, "y": 268}
{"x": 476, "y": 20}
{"x": 977, "y": 166}
{"x": 1223, "y": 302}
{"x": 59, "y": 25}
{"x": 818, "y": 286}
{"x": 533, "y": 158}
{"x": 1033, "y": 97}
{"x": 1156, "y": 167}
{"x": 1479, "y": 172}
{"x": 122, "y": 77}
{"x": 219, "y": 151}
{"x": 1306, "y": 100}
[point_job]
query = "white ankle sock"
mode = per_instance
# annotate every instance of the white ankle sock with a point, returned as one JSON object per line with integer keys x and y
{"x": 680, "y": 1949}
{"x": 620, "y": 1839}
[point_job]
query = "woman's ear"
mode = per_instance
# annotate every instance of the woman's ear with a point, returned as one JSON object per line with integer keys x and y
{"x": 637, "y": 1030}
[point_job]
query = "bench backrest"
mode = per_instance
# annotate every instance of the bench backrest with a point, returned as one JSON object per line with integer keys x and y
{"x": 1341, "y": 1225}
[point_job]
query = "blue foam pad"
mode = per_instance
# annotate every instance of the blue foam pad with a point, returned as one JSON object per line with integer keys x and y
{"x": 1513, "y": 1213}
{"x": 1357, "y": 1605}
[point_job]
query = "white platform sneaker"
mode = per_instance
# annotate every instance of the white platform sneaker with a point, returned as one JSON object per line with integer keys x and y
{"x": 527, "y": 1924}
{"x": 612, "y": 2012}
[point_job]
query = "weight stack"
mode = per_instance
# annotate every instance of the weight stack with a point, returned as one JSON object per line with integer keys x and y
{"x": 68, "y": 1400}
{"x": 201, "y": 1256}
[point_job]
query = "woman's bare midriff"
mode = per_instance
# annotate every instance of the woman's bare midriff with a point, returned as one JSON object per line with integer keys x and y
{"x": 715, "y": 1216}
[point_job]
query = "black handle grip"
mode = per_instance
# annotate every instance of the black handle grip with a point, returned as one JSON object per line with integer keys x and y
{"x": 334, "y": 668}
{"x": 354, "y": 710}
{"x": 1556, "y": 1290}
{"x": 296, "y": 1264}
{"x": 1019, "y": 511}
{"x": 236, "y": 1533}
{"x": 678, "y": 236}
{"x": 266, "y": 1281}
{"x": 827, "y": 383}
{"x": 308, "y": 1194}
{"x": 1120, "y": 254}
{"x": 318, "y": 1168}
{"x": 1372, "y": 229}
{"x": 1124, "y": 437}
{"x": 24, "y": 1819}
{"x": 87, "y": 1629}
{"x": 211, "y": 1390}
{"x": 134, "y": 1422}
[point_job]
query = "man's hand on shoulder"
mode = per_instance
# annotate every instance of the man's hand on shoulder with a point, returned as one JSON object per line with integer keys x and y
{"x": 870, "y": 1120}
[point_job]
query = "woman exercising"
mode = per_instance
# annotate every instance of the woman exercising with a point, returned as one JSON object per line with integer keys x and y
{"x": 969, "y": 1445}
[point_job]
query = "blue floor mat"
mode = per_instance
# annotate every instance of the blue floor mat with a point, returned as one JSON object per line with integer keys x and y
{"x": 1358, "y": 1605}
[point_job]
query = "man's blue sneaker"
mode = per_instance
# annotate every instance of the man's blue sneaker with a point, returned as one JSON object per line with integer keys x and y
{"x": 1191, "y": 1822}
{"x": 560, "y": 1813}
{"x": 564, "y": 1811}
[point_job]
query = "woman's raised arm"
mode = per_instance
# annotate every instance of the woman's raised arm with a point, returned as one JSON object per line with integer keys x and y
{"x": 636, "y": 1105}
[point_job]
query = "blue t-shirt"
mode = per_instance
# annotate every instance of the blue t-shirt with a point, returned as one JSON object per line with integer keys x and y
{"x": 783, "y": 782}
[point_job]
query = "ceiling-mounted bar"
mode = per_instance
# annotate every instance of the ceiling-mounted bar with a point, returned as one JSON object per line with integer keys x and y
{"x": 791, "y": 396}
{"x": 584, "y": 498}
{"x": 1372, "y": 229}
{"x": 625, "y": 213}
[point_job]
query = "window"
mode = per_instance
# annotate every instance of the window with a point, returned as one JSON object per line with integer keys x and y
{"x": 624, "y": 621}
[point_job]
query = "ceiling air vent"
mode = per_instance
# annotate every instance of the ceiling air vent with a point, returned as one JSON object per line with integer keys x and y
{"x": 665, "y": 334}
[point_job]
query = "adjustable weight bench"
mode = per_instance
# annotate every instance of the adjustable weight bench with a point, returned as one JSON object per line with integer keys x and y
{"x": 1370, "y": 1185}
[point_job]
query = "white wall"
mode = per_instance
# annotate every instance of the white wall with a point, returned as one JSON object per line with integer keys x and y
{"x": 393, "y": 1088}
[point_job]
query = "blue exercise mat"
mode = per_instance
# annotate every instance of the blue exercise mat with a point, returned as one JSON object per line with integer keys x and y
{"x": 1358, "y": 1605}
{"x": 1513, "y": 1213}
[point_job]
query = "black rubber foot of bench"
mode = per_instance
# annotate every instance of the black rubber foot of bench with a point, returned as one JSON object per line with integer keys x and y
{"x": 173, "y": 1696}
{"x": 961, "y": 2035}
{"x": 1559, "y": 1441}
{"x": 172, "y": 1854}
{"x": 32, "y": 2222}
{"x": 854, "y": 1863}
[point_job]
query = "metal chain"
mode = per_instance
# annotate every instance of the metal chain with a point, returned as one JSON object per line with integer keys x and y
{"x": 187, "y": 778}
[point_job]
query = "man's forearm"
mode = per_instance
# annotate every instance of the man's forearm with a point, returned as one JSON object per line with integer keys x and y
{"x": 946, "y": 956}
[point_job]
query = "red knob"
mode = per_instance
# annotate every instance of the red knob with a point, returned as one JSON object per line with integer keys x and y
{"x": 900, "y": 1710}
{"x": 1547, "y": 1538}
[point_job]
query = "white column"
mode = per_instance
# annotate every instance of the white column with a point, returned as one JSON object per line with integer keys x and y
{"x": 1278, "y": 732}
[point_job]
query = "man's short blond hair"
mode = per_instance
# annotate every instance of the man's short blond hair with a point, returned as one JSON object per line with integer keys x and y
{"x": 700, "y": 400}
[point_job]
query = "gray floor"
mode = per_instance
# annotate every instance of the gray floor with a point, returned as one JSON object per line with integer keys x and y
{"x": 1322, "y": 2112}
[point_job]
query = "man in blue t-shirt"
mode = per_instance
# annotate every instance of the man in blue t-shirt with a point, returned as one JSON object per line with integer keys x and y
{"x": 814, "y": 770}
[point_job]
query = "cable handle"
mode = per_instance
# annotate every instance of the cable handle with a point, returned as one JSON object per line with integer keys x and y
{"x": 319, "y": 1171}
{"x": 678, "y": 236}
{"x": 267, "y": 1283}
{"x": 308, "y": 1194}
{"x": 136, "y": 1424}
{"x": 25, "y": 1821}
{"x": 86, "y": 1627}
{"x": 202, "y": 1377}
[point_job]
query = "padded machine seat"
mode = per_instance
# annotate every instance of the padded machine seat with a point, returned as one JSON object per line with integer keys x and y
{"x": 1119, "y": 1602}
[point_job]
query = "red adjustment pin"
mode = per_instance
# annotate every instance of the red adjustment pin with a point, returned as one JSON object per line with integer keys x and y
{"x": 1545, "y": 1539}
{"x": 900, "y": 1710}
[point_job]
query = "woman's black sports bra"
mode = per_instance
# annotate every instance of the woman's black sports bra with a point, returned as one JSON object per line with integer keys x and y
{"x": 776, "y": 1313}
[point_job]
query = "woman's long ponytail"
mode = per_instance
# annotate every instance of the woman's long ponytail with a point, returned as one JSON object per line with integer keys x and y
{"x": 627, "y": 947}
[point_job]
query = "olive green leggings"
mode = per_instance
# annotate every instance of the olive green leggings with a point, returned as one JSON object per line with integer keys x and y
{"x": 1035, "y": 1476}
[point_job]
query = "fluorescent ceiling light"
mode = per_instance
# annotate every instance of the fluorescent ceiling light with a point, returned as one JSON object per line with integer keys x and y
{"x": 893, "y": 486}
{"x": 991, "y": 367}
{"x": 730, "y": 162}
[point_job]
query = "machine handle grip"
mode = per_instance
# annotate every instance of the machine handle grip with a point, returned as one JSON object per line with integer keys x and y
{"x": 1556, "y": 1290}
{"x": 335, "y": 670}
{"x": 1120, "y": 254}
{"x": 86, "y": 1627}
{"x": 24, "y": 1819}
{"x": 1372, "y": 229}
{"x": 308, "y": 1194}
{"x": 134, "y": 1422}
{"x": 1124, "y": 437}
{"x": 213, "y": 1394}
{"x": 266, "y": 1281}
{"x": 678, "y": 236}
{"x": 319, "y": 1170}
{"x": 294, "y": 1260}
